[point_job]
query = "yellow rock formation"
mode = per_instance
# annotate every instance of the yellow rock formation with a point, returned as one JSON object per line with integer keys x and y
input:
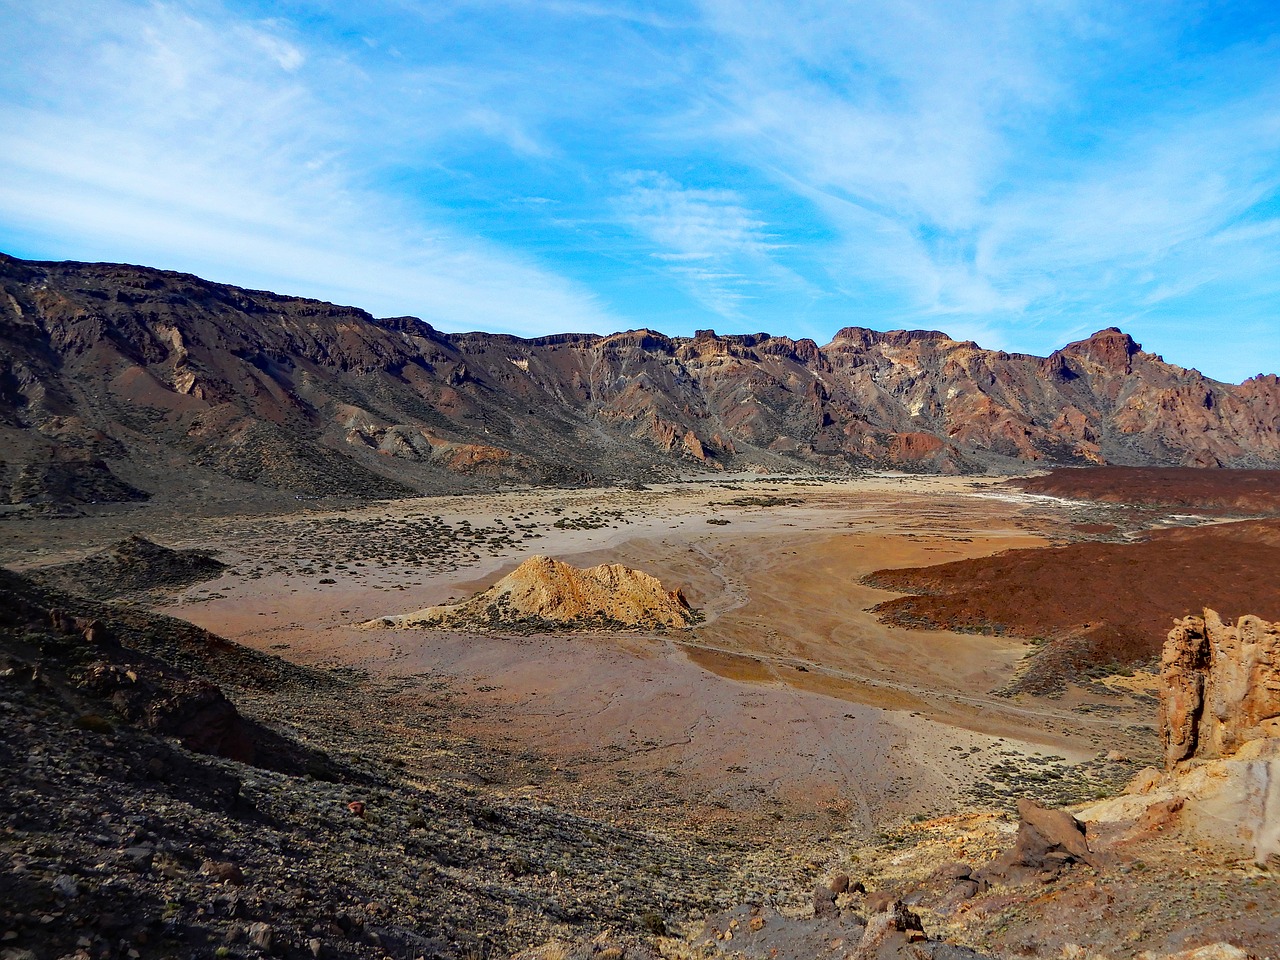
{"x": 543, "y": 591}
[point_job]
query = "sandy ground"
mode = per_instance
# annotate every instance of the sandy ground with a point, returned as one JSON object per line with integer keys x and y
{"x": 790, "y": 695}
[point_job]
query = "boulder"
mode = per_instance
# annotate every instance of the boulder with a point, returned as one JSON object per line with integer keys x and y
{"x": 824, "y": 901}
{"x": 1047, "y": 841}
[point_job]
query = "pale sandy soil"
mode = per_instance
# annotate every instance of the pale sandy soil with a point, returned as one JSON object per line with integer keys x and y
{"x": 790, "y": 695}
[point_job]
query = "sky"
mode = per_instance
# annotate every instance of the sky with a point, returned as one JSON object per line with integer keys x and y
{"x": 1017, "y": 173}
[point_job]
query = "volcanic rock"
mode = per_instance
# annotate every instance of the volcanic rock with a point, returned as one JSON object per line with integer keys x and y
{"x": 756, "y": 930}
{"x": 1048, "y": 840}
{"x": 1220, "y": 721}
{"x": 1081, "y": 597}
{"x": 1220, "y": 686}
{"x": 824, "y": 901}
{"x": 890, "y": 934}
{"x": 133, "y": 564}
{"x": 546, "y": 593}
{"x": 115, "y": 379}
{"x": 157, "y": 681}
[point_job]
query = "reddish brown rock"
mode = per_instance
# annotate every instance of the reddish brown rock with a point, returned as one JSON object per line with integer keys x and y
{"x": 1081, "y": 597}
{"x": 824, "y": 902}
{"x": 223, "y": 871}
{"x": 1047, "y": 841}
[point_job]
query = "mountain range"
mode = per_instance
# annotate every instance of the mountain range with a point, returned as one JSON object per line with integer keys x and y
{"x": 119, "y": 381}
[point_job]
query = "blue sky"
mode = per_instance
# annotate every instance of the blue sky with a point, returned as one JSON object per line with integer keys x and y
{"x": 1020, "y": 174}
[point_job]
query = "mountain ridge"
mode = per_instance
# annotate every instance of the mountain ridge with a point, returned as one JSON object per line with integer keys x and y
{"x": 118, "y": 378}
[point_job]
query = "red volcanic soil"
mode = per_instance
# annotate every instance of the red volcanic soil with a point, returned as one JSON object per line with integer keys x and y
{"x": 1218, "y": 491}
{"x": 1098, "y": 605}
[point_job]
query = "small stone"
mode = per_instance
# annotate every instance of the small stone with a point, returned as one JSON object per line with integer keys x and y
{"x": 139, "y": 856}
{"x": 315, "y": 946}
{"x": 223, "y": 872}
{"x": 261, "y": 935}
{"x": 356, "y": 807}
{"x": 879, "y": 902}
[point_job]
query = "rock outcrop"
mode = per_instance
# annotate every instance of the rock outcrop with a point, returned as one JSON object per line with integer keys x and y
{"x": 543, "y": 593}
{"x": 1220, "y": 686}
{"x": 134, "y": 564}
{"x": 114, "y": 666}
{"x": 1220, "y": 721}
{"x": 1048, "y": 841}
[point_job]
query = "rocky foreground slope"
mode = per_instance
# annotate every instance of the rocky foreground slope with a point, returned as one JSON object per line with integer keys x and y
{"x": 117, "y": 382}
{"x": 170, "y": 794}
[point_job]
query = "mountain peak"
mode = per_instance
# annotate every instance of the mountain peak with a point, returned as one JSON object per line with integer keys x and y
{"x": 1110, "y": 347}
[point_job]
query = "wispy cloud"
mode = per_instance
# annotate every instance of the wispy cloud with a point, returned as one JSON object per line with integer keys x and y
{"x": 990, "y": 169}
{"x": 209, "y": 144}
{"x": 1016, "y": 173}
{"x": 706, "y": 238}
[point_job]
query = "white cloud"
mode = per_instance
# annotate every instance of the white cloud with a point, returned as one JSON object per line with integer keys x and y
{"x": 209, "y": 145}
{"x": 979, "y": 164}
{"x": 715, "y": 246}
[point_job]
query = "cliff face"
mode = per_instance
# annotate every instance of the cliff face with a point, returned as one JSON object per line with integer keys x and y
{"x": 1220, "y": 721}
{"x": 116, "y": 379}
{"x": 1220, "y": 686}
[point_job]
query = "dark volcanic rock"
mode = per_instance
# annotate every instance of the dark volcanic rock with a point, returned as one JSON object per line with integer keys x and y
{"x": 1249, "y": 492}
{"x": 1098, "y": 605}
{"x": 133, "y": 564}
{"x": 759, "y": 931}
{"x": 79, "y": 649}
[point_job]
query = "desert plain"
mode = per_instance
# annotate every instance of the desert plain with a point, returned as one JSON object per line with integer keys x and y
{"x": 878, "y": 668}
{"x": 789, "y": 698}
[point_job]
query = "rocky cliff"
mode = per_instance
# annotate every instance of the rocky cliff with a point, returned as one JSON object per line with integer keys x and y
{"x": 1220, "y": 722}
{"x": 1220, "y": 686}
{"x": 117, "y": 381}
